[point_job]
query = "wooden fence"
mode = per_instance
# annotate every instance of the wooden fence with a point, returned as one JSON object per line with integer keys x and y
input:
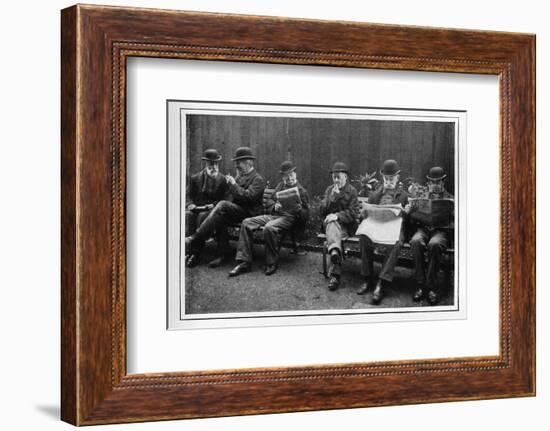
{"x": 314, "y": 144}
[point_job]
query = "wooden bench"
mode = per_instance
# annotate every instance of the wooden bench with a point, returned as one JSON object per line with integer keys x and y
{"x": 406, "y": 258}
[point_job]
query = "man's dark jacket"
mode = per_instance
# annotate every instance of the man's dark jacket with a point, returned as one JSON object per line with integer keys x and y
{"x": 344, "y": 204}
{"x": 248, "y": 192}
{"x": 199, "y": 193}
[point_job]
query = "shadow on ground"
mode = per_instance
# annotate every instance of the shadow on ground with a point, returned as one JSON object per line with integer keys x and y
{"x": 51, "y": 411}
{"x": 297, "y": 285}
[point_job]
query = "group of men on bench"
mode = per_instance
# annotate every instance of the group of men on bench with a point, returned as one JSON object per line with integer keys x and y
{"x": 216, "y": 202}
{"x": 239, "y": 200}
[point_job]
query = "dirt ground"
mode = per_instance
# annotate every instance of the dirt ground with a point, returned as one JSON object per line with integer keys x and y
{"x": 298, "y": 284}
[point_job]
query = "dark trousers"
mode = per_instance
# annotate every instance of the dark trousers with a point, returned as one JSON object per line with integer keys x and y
{"x": 335, "y": 233}
{"x": 366, "y": 247}
{"x": 435, "y": 242}
{"x": 193, "y": 220}
{"x": 274, "y": 226}
{"x": 223, "y": 215}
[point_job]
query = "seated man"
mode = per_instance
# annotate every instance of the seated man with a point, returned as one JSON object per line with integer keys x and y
{"x": 204, "y": 190}
{"x": 245, "y": 200}
{"x": 340, "y": 209}
{"x": 387, "y": 194}
{"x": 278, "y": 218}
{"x": 431, "y": 235}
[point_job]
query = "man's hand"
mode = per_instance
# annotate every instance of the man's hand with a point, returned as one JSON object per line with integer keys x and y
{"x": 230, "y": 180}
{"x": 209, "y": 207}
{"x": 191, "y": 207}
{"x": 278, "y": 206}
{"x": 331, "y": 217}
{"x": 407, "y": 209}
{"x": 335, "y": 189}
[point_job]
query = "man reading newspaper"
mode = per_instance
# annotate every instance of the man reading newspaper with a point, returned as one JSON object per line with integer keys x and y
{"x": 382, "y": 223}
{"x": 288, "y": 206}
{"x": 289, "y": 199}
{"x": 432, "y": 214}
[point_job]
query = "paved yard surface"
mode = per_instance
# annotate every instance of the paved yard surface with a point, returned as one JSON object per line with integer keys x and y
{"x": 297, "y": 285}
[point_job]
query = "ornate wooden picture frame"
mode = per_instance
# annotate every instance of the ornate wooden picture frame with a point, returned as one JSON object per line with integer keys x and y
{"x": 96, "y": 42}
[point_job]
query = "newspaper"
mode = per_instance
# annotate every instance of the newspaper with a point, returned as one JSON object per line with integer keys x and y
{"x": 383, "y": 223}
{"x": 289, "y": 199}
{"x": 434, "y": 211}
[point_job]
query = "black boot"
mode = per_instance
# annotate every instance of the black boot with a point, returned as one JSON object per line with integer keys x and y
{"x": 333, "y": 283}
{"x": 418, "y": 293}
{"x": 378, "y": 293}
{"x": 365, "y": 286}
{"x": 241, "y": 268}
{"x": 270, "y": 269}
{"x": 433, "y": 297}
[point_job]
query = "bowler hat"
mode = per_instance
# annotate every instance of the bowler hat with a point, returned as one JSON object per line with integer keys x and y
{"x": 243, "y": 153}
{"x": 339, "y": 167}
{"x": 436, "y": 173}
{"x": 390, "y": 168}
{"x": 211, "y": 155}
{"x": 287, "y": 167}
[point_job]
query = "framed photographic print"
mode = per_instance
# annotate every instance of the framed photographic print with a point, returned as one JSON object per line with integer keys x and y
{"x": 343, "y": 210}
{"x": 203, "y": 296}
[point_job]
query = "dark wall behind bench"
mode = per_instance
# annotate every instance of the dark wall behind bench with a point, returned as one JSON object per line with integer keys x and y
{"x": 315, "y": 144}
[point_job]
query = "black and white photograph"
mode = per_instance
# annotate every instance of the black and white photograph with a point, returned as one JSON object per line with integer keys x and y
{"x": 266, "y": 215}
{"x": 294, "y": 214}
